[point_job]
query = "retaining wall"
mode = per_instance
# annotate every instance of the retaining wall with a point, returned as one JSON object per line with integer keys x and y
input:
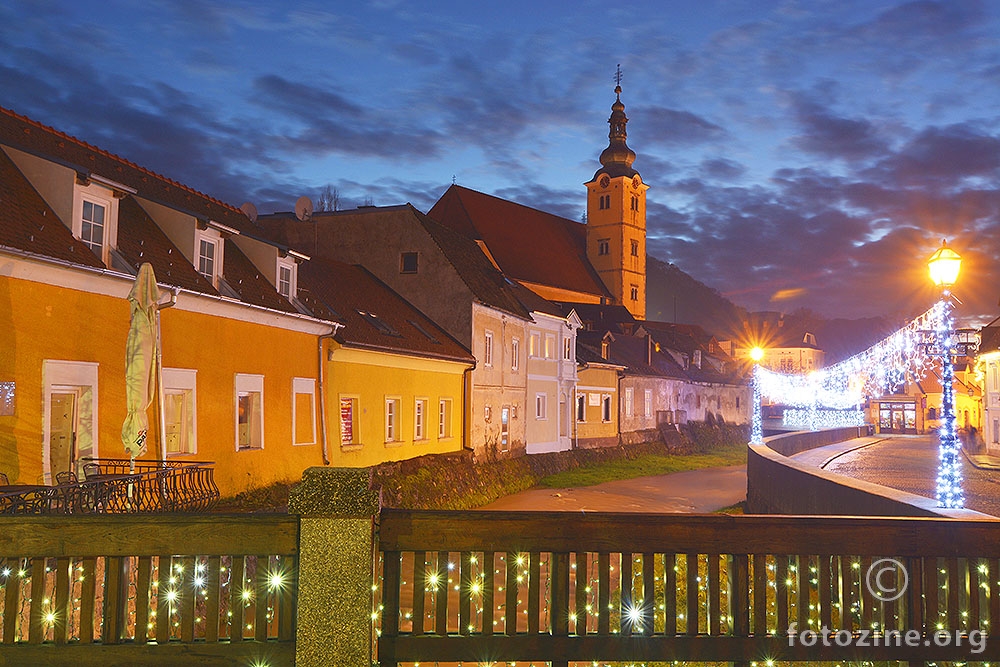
{"x": 777, "y": 484}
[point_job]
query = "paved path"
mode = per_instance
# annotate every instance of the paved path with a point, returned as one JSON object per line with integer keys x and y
{"x": 693, "y": 491}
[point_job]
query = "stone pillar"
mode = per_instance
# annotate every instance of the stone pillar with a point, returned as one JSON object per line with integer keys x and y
{"x": 336, "y": 557}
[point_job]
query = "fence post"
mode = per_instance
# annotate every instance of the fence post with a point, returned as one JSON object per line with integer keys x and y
{"x": 336, "y": 555}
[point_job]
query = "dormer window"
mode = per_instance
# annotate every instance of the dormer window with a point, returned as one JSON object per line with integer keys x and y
{"x": 208, "y": 255}
{"x": 287, "y": 275}
{"x": 95, "y": 219}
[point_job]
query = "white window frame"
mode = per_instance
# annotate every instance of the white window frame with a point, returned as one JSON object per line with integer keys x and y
{"x": 535, "y": 344}
{"x": 567, "y": 349}
{"x": 629, "y": 401}
{"x": 293, "y": 278}
{"x": 307, "y": 386}
{"x": 184, "y": 380}
{"x": 541, "y": 406}
{"x": 58, "y": 375}
{"x": 391, "y": 414}
{"x": 420, "y": 419}
{"x": 444, "y": 418}
{"x": 581, "y": 408}
{"x": 488, "y": 349}
{"x": 213, "y": 237}
{"x": 515, "y": 353}
{"x": 247, "y": 383}
{"x": 550, "y": 346}
{"x": 101, "y": 196}
{"x": 647, "y": 403}
{"x": 606, "y": 408}
{"x": 355, "y": 400}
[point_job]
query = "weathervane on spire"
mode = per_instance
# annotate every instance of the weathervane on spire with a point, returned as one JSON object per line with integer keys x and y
{"x": 618, "y": 76}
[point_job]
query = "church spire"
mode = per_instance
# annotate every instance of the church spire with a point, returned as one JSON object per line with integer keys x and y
{"x": 617, "y": 158}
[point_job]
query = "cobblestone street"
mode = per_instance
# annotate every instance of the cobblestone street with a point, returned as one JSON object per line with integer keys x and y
{"x": 909, "y": 463}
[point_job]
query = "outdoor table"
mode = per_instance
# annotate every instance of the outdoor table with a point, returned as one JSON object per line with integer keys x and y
{"x": 13, "y": 498}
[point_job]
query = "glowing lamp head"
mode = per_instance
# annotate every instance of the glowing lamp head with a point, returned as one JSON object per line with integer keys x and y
{"x": 944, "y": 266}
{"x": 757, "y": 353}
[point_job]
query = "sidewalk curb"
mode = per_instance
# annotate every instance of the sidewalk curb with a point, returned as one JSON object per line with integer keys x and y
{"x": 982, "y": 462}
{"x": 848, "y": 451}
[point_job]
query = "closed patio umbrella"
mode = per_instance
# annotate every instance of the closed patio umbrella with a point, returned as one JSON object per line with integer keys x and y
{"x": 140, "y": 361}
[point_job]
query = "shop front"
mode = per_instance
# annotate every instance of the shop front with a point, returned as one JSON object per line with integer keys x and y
{"x": 897, "y": 416}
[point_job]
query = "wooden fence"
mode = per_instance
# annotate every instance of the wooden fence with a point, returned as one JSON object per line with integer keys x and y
{"x": 489, "y": 587}
{"x": 148, "y": 590}
{"x": 562, "y": 588}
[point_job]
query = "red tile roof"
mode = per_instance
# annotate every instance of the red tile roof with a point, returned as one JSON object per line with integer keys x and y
{"x": 375, "y": 316}
{"x": 28, "y": 223}
{"x": 529, "y": 245}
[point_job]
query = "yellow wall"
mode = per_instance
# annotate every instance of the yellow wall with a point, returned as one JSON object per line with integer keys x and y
{"x": 370, "y": 377}
{"x": 39, "y": 321}
{"x": 594, "y": 432}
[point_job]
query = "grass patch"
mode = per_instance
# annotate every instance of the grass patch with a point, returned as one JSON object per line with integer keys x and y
{"x": 645, "y": 466}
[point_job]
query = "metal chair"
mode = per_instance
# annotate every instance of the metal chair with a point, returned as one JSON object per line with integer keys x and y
{"x": 3, "y": 479}
{"x": 66, "y": 477}
{"x": 91, "y": 470}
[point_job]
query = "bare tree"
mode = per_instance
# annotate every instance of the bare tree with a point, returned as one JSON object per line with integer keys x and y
{"x": 329, "y": 199}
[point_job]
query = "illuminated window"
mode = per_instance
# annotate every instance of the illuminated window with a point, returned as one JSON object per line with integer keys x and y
{"x": 515, "y": 354}
{"x": 348, "y": 421}
{"x": 179, "y": 410}
{"x": 567, "y": 349}
{"x": 249, "y": 411}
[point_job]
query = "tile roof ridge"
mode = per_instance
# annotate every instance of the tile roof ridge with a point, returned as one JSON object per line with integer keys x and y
{"x": 106, "y": 153}
{"x": 514, "y": 203}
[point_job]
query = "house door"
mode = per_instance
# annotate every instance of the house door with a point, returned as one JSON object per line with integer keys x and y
{"x": 563, "y": 416}
{"x": 504, "y": 428}
{"x": 63, "y": 423}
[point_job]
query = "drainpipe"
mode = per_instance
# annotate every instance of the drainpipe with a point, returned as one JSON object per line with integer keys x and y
{"x": 467, "y": 407}
{"x": 160, "y": 403}
{"x": 322, "y": 392}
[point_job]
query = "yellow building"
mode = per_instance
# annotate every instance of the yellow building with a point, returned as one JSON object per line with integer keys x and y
{"x": 395, "y": 381}
{"x": 245, "y": 359}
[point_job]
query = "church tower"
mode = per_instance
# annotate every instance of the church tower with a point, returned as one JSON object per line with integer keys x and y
{"x": 616, "y": 217}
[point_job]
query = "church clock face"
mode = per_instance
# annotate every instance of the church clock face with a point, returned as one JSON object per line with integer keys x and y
{"x": 635, "y": 182}
{"x": 605, "y": 181}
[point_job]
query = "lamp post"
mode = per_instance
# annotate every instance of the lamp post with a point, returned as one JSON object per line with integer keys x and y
{"x": 944, "y": 266}
{"x": 757, "y": 422}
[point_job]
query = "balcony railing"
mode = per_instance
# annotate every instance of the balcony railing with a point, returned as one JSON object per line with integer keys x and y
{"x": 115, "y": 486}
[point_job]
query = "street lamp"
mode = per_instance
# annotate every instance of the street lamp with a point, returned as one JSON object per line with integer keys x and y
{"x": 944, "y": 266}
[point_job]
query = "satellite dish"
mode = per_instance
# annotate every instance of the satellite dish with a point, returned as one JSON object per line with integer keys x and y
{"x": 250, "y": 211}
{"x": 303, "y": 208}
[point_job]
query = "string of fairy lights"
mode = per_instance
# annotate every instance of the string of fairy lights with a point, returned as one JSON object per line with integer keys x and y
{"x": 834, "y": 396}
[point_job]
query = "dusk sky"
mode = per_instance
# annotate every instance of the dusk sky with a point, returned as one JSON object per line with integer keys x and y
{"x": 804, "y": 153}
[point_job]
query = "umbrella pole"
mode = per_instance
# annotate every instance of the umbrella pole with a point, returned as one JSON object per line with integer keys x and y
{"x": 160, "y": 405}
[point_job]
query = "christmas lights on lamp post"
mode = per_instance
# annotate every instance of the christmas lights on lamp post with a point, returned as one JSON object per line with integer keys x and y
{"x": 944, "y": 266}
{"x": 757, "y": 421}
